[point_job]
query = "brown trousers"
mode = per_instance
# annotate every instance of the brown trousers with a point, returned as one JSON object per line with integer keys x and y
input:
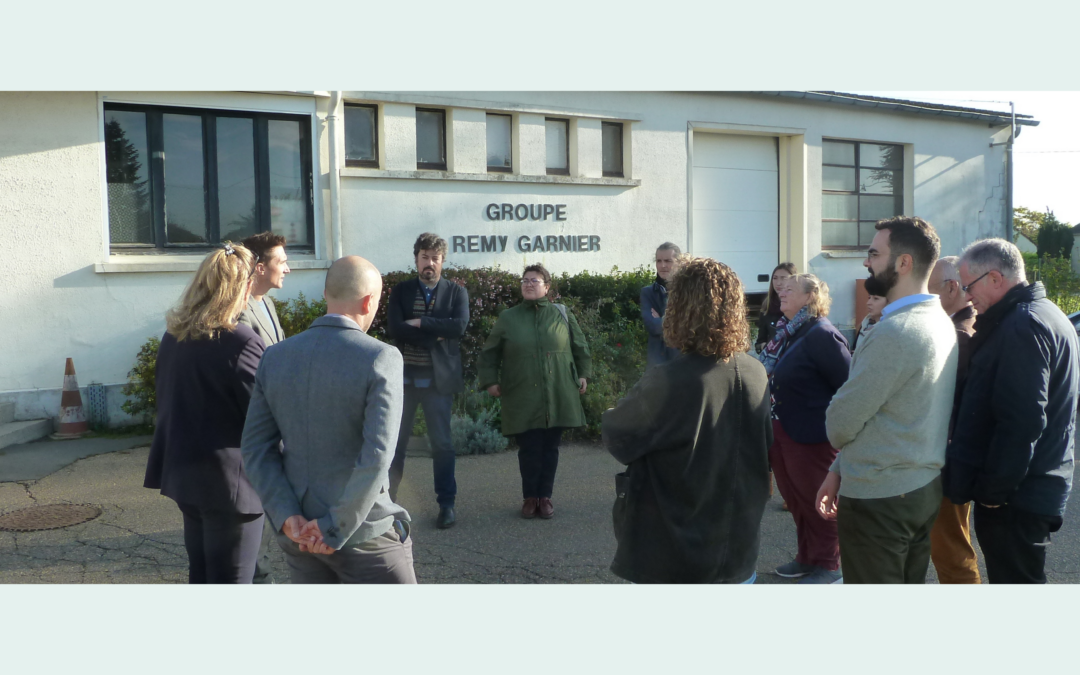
{"x": 950, "y": 545}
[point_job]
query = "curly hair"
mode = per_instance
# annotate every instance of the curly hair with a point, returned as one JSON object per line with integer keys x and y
{"x": 429, "y": 241}
{"x": 706, "y": 310}
{"x": 215, "y": 297}
{"x": 819, "y": 302}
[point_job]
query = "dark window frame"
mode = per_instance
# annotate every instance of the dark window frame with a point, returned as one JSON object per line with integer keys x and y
{"x": 366, "y": 163}
{"x": 857, "y": 167}
{"x": 209, "y": 116}
{"x": 622, "y": 155}
{"x": 501, "y": 169}
{"x": 434, "y": 166}
{"x": 554, "y": 171}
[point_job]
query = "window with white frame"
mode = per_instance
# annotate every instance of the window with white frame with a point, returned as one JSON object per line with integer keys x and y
{"x": 499, "y": 130}
{"x": 188, "y": 178}
{"x": 861, "y": 184}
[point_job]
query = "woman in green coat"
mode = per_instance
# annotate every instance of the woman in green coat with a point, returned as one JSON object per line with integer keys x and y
{"x": 537, "y": 360}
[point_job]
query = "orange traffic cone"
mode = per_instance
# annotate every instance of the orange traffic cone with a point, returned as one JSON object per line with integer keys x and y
{"x": 72, "y": 417}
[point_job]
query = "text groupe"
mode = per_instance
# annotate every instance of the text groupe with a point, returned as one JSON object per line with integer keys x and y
{"x": 543, "y": 243}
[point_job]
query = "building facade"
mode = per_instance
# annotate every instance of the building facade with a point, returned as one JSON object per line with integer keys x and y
{"x": 109, "y": 200}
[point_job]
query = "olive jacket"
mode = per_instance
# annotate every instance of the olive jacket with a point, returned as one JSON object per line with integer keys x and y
{"x": 536, "y": 357}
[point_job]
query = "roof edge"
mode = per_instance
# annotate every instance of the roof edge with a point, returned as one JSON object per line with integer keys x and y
{"x": 992, "y": 117}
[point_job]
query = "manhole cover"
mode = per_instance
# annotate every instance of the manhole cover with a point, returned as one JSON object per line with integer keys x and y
{"x": 49, "y": 517}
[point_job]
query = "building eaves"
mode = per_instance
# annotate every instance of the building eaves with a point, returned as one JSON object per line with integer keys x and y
{"x": 992, "y": 117}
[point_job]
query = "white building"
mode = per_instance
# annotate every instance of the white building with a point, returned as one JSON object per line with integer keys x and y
{"x": 109, "y": 200}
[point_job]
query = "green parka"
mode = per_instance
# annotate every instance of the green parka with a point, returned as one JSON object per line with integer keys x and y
{"x": 536, "y": 357}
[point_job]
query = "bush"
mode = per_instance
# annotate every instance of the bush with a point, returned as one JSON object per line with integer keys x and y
{"x": 476, "y": 436}
{"x": 141, "y": 389}
{"x": 296, "y": 315}
{"x": 1055, "y": 238}
{"x": 1062, "y": 285}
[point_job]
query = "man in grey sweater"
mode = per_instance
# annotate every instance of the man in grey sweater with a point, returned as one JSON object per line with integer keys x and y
{"x": 890, "y": 420}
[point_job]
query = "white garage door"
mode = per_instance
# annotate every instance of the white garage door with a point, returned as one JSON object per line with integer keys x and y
{"x": 737, "y": 204}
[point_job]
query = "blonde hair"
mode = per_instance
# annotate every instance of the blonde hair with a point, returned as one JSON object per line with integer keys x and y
{"x": 819, "y": 302}
{"x": 706, "y": 310}
{"x": 215, "y": 297}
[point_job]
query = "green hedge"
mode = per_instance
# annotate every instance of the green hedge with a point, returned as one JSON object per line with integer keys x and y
{"x": 1062, "y": 285}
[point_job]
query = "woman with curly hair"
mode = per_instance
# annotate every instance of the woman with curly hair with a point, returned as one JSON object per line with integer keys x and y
{"x": 694, "y": 433}
{"x": 807, "y": 361}
{"x": 205, "y": 375}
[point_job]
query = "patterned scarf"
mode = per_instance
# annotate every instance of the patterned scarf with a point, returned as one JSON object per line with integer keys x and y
{"x": 784, "y": 330}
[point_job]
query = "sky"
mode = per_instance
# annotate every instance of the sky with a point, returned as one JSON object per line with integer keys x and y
{"x": 1047, "y": 171}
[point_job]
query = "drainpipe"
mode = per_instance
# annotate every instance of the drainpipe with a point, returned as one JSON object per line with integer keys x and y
{"x": 332, "y": 121}
{"x": 1014, "y": 131}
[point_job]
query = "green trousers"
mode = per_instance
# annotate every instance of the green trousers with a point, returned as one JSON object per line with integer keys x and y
{"x": 887, "y": 540}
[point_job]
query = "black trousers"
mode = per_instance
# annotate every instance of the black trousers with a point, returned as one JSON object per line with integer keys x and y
{"x": 538, "y": 459}
{"x": 1014, "y": 543}
{"x": 222, "y": 547}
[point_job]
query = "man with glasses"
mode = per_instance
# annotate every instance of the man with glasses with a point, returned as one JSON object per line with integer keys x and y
{"x": 426, "y": 317}
{"x": 1012, "y": 449}
{"x": 950, "y": 540}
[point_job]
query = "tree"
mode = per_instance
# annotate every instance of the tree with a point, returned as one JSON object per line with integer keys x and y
{"x": 1027, "y": 222}
{"x": 1055, "y": 237}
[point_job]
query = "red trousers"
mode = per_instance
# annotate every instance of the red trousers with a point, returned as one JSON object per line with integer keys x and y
{"x": 800, "y": 469}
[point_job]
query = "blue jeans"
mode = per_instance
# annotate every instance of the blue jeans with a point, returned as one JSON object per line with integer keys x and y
{"x": 437, "y": 416}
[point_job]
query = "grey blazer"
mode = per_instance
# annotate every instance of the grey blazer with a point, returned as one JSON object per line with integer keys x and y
{"x": 253, "y": 316}
{"x": 333, "y": 395}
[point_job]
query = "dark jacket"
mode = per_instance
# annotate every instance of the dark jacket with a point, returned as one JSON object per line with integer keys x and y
{"x": 536, "y": 357}
{"x": 448, "y": 320}
{"x": 1013, "y": 441}
{"x": 964, "y": 320}
{"x": 805, "y": 378}
{"x": 766, "y": 327}
{"x": 695, "y": 435}
{"x": 203, "y": 390}
{"x": 654, "y": 296}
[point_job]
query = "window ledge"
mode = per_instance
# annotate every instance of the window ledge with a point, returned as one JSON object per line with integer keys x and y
{"x": 355, "y": 172}
{"x": 844, "y": 254}
{"x": 134, "y": 264}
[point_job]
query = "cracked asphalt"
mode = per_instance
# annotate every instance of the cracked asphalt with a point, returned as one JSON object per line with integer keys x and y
{"x": 139, "y": 538}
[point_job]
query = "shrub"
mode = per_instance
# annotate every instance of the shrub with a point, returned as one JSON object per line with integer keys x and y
{"x": 297, "y": 314}
{"x": 476, "y": 436}
{"x": 1062, "y": 285}
{"x": 1055, "y": 238}
{"x": 141, "y": 389}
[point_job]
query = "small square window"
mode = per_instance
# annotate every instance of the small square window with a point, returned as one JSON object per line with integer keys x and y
{"x": 498, "y": 143}
{"x": 431, "y": 139}
{"x": 612, "y": 146}
{"x": 861, "y": 183}
{"x": 362, "y": 135}
{"x": 557, "y": 139}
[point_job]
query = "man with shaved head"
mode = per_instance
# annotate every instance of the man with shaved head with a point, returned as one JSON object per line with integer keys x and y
{"x": 331, "y": 399}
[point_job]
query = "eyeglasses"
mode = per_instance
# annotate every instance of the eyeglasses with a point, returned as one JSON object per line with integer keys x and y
{"x": 531, "y": 282}
{"x": 965, "y": 288}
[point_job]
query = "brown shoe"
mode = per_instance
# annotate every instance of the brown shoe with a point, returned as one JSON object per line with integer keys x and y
{"x": 528, "y": 509}
{"x": 784, "y": 506}
{"x": 547, "y": 509}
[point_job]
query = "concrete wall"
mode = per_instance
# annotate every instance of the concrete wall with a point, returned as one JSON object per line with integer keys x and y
{"x": 65, "y": 295}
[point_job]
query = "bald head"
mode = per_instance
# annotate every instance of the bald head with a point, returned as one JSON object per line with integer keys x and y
{"x": 353, "y": 287}
{"x": 945, "y": 283}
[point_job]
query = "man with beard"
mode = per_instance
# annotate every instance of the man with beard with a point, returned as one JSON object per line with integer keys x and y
{"x": 1012, "y": 449}
{"x": 426, "y": 317}
{"x": 890, "y": 420}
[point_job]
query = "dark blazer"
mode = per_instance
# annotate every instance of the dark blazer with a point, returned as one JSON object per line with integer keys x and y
{"x": 964, "y": 320}
{"x": 203, "y": 390}
{"x": 807, "y": 376}
{"x": 654, "y": 296}
{"x": 766, "y": 328}
{"x": 695, "y": 434}
{"x": 1013, "y": 441}
{"x": 448, "y": 320}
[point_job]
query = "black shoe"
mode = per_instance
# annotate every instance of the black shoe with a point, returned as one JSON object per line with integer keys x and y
{"x": 446, "y": 518}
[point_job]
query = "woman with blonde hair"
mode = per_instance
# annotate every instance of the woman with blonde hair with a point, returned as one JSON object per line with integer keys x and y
{"x": 694, "y": 435}
{"x": 807, "y": 361}
{"x": 205, "y": 374}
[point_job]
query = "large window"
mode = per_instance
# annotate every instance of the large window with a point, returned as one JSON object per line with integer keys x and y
{"x": 611, "y": 142}
{"x": 362, "y": 135}
{"x": 178, "y": 177}
{"x": 557, "y": 139}
{"x": 861, "y": 184}
{"x": 430, "y": 139}
{"x": 498, "y": 143}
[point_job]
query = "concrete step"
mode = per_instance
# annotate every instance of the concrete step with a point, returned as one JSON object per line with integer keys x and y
{"x": 24, "y": 431}
{"x": 7, "y": 412}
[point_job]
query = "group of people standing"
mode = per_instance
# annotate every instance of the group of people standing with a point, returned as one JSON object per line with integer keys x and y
{"x": 878, "y": 450}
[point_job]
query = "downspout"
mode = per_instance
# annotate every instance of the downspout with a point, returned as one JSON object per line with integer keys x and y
{"x": 1010, "y": 232}
{"x": 332, "y": 121}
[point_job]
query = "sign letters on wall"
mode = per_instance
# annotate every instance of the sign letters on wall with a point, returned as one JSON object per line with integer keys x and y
{"x": 528, "y": 243}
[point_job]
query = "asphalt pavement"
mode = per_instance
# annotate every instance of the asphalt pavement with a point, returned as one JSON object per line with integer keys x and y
{"x": 139, "y": 537}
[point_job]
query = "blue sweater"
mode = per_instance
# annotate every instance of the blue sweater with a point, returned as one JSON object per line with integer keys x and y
{"x": 654, "y": 296}
{"x": 805, "y": 378}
